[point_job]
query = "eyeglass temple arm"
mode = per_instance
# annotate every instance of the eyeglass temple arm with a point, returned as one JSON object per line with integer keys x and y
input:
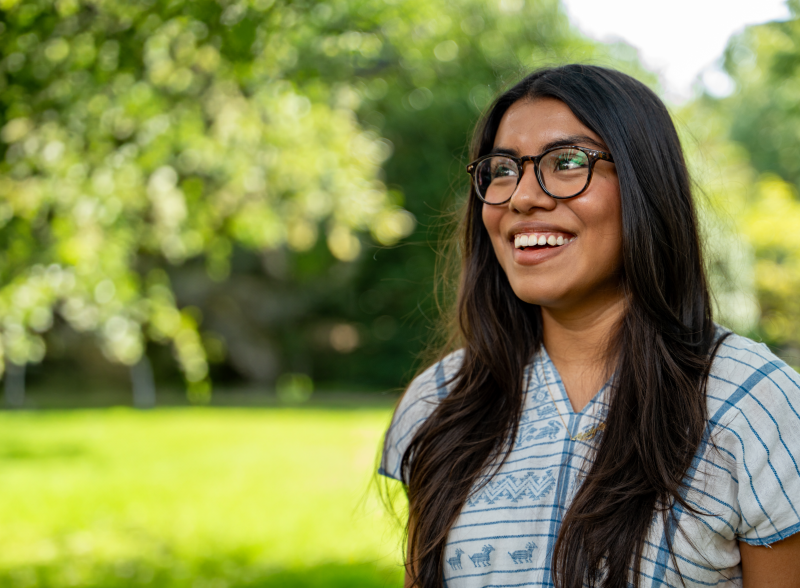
{"x": 601, "y": 155}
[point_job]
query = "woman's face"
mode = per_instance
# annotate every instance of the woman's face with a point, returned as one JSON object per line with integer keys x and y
{"x": 585, "y": 269}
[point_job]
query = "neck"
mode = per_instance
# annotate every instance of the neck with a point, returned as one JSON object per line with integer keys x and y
{"x": 578, "y": 342}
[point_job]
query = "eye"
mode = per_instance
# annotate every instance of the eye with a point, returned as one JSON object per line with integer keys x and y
{"x": 569, "y": 159}
{"x": 503, "y": 168}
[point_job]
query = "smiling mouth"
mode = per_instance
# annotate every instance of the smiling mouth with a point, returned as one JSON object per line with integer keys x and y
{"x": 541, "y": 240}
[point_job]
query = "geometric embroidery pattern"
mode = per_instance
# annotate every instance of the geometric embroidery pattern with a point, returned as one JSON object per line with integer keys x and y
{"x": 515, "y": 488}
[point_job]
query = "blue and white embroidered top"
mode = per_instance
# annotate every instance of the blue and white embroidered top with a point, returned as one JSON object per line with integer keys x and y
{"x": 747, "y": 482}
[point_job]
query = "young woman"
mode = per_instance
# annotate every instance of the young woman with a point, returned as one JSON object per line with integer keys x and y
{"x": 594, "y": 426}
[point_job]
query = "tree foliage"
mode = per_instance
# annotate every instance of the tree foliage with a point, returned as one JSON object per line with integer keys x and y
{"x": 140, "y": 132}
{"x": 762, "y": 125}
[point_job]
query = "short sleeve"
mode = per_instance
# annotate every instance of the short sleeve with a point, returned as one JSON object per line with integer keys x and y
{"x": 417, "y": 404}
{"x": 759, "y": 421}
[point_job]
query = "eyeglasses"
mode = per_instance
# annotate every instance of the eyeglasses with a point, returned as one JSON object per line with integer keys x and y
{"x": 563, "y": 172}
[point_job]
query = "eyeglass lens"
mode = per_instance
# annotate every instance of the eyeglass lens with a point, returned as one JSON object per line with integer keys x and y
{"x": 563, "y": 172}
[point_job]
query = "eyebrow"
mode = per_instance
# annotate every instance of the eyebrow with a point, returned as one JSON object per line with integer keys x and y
{"x": 561, "y": 142}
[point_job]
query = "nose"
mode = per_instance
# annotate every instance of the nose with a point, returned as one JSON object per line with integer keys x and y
{"x": 529, "y": 193}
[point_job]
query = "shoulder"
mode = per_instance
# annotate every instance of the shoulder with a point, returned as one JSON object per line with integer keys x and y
{"x": 754, "y": 414}
{"x": 418, "y": 402}
{"x": 424, "y": 394}
{"x": 745, "y": 373}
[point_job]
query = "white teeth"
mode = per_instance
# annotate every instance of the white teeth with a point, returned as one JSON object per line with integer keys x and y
{"x": 521, "y": 241}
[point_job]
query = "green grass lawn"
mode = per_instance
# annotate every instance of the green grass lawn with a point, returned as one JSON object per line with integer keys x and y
{"x": 194, "y": 497}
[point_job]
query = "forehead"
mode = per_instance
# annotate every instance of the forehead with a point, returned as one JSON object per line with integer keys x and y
{"x": 529, "y": 125}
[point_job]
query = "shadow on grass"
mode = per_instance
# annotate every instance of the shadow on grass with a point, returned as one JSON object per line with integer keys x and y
{"x": 142, "y": 575}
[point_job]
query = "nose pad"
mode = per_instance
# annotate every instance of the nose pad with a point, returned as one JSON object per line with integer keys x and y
{"x": 529, "y": 192}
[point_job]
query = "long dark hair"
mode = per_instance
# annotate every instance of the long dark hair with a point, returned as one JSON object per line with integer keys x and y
{"x": 663, "y": 349}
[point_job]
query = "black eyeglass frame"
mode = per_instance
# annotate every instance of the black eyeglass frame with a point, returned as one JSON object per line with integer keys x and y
{"x": 592, "y": 154}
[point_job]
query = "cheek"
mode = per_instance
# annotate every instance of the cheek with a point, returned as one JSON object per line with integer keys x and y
{"x": 615, "y": 219}
{"x": 611, "y": 234}
{"x": 492, "y": 217}
{"x": 601, "y": 217}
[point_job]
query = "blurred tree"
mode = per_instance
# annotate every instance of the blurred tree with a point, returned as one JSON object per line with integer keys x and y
{"x": 723, "y": 183}
{"x": 138, "y": 133}
{"x": 762, "y": 119}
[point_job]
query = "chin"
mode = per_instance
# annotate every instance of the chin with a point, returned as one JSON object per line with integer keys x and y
{"x": 538, "y": 297}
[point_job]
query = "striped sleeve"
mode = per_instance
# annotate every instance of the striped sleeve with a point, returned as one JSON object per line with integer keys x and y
{"x": 418, "y": 402}
{"x": 760, "y": 418}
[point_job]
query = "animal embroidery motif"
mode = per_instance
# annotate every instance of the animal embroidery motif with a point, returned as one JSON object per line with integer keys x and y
{"x": 546, "y": 410}
{"x": 515, "y": 489}
{"x": 523, "y": 555}
{"x": 481, "y": 559}
{"x": 550, "y": 431}
{"x": 455, "y": 561}
{"x": 526, "y": 430}
{"x": 526, "y": 433}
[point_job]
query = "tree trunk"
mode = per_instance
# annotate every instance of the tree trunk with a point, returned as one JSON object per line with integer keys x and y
{"x": 14, "y": 390}
{"x": 144, "y": 386}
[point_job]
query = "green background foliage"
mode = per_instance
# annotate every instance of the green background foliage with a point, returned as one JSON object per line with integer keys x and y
{"x": 256, "y": 193}
{"x": 763, "y": 118}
